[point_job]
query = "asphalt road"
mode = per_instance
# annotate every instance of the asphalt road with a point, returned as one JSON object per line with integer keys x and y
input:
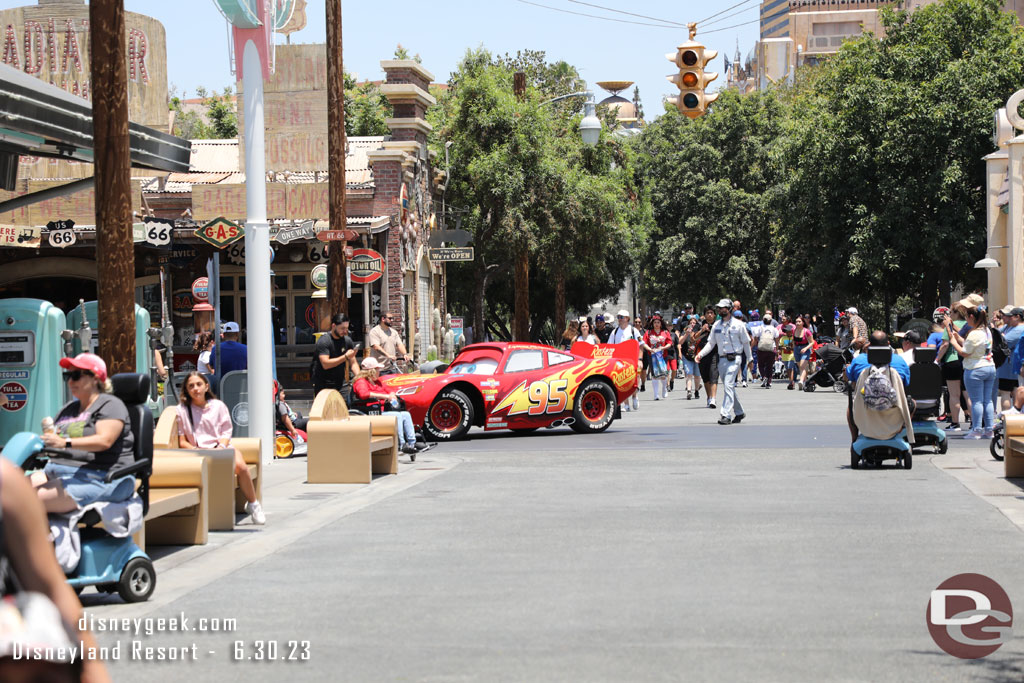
{"x": 668, "y": 548}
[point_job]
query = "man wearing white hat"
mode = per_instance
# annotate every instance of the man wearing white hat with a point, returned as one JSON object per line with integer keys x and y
{"x": 622, "y": 333}
{"x": 732, "y": 339}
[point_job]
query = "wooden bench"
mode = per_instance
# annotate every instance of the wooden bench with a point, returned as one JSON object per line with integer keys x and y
{"x": 344, "y": 449}
{"x": 178, "y": 503}
{"x": 1013, "y": 447}
{"x": 226, "y": 498}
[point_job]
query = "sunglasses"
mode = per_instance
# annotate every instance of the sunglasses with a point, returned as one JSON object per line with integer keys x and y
{"x": 76, "y": 375}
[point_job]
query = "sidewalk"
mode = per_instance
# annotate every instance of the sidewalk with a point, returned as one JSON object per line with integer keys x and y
{"x": 294, "y": 510}
{"x": 982, "y": 475}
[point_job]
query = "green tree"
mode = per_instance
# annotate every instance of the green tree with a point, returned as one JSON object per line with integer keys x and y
{"x": 366, "y": 109}
{"x": 884, "y": 189}
{"x": 709, "y": 181}
{"x": 221, "y": 112}
{"x": 523, "y": 179}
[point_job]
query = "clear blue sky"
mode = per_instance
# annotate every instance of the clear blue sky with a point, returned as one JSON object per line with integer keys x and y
{"x": 440, "y": 32}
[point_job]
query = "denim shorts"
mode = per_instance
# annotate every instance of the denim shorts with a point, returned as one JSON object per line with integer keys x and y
{"x": 86, "y": 485}
{"x": 689, "y": 367}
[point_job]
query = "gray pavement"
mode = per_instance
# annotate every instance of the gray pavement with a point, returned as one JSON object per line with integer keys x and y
{"x": 668, "y": 548}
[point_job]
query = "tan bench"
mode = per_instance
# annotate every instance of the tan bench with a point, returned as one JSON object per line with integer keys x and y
{"x": 344, "y": 449}
{"x": 178, "y": 503}
{"x": 1013, "y": 447}
{"x": 226, "y": 498}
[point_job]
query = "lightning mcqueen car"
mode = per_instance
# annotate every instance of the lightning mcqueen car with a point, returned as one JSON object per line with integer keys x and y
{"x": 521, "y": 387}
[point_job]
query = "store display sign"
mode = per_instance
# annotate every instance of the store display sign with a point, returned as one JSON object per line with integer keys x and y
{"x": 447, "y": 254}
{"x": 366, "y": 265}
{"x": 18, "y": 236}
{"x": 319, "y": 276}
{"x": 302, "y": 232}
{"x": 158, "y": 231}
{"x": 201, "y": 290}
{"x": 220, "y": 232}
{"x": 337, "y": 235}
{"x": 61, "y": 233}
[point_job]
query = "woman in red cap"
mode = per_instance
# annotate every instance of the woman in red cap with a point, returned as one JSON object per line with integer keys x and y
{"x": 96, "y": 425}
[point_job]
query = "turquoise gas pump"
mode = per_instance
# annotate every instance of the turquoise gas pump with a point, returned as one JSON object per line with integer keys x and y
{"x": 142, "y": 352}
{"x": 30, "y": 374}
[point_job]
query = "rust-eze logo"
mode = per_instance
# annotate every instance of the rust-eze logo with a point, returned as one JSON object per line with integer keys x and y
{"x": 969, "y": 616}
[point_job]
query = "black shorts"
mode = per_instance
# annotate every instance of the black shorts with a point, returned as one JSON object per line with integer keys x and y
{"x": 709, "y": 368}
{"x": 953, "y": 371}
{"x": 1007, "y": 384}
{"x": 647, "y": 360}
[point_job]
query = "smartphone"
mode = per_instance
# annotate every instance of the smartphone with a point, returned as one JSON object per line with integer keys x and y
{"x": 359, "y": 346}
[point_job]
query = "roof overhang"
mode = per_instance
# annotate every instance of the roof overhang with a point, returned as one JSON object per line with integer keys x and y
{"x": 40, "y": 119}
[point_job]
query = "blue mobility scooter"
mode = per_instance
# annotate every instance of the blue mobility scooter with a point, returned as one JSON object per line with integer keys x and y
{"x": 868, "y": 451}
{"x": 111, "y": 564}
{"x": 926, "y": 390}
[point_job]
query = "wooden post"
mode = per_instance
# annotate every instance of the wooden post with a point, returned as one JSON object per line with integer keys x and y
{"x": 521, "y": 319}
{"x": 336, "y": 157}
{"x": 115, "y": 251}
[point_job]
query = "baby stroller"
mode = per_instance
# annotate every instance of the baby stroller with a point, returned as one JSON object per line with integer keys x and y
{"x": 831, "y": 373}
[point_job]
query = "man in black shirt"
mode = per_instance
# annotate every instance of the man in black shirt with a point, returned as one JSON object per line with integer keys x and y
{"x": 601, "y": 330}
{"x": 334, "y": 357}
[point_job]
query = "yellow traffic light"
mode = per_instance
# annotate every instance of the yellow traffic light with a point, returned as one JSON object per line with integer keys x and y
{"x": 691, "y": 57}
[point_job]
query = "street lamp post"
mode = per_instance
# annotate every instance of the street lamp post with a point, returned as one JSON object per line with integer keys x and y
{"x": 590, "y": 126}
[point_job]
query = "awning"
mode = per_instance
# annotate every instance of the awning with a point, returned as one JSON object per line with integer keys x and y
{"x": 40, "y": 119}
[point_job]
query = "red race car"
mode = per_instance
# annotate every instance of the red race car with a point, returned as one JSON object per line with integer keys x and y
{"x": 522, "y": 387}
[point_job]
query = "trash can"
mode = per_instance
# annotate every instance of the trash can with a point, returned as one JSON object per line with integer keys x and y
{"x": 1013, "y": 457}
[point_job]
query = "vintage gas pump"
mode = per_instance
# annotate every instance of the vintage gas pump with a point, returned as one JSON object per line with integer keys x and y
{"x": 30, "y": 373}
{"x": 88, "y": 312}
{"x": 321, "y": 321}
{"x": 202, "y": 311}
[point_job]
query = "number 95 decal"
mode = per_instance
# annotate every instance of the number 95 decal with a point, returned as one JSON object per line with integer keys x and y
{"x": 538, "y": 398}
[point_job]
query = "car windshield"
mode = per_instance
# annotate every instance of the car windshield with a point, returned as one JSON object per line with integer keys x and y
{"x": 477, "y": 366}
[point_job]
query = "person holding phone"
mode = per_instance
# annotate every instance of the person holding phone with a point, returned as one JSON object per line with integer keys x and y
{"x": 334, "y": 359}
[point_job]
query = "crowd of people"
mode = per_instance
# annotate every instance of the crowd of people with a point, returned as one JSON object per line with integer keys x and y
{"x": 981, "y": 354}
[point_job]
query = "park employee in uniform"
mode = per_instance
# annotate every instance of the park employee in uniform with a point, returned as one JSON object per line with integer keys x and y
{"x": 732, "y": 338}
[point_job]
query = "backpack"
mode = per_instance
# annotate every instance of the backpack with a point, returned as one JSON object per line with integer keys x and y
{"x": 879, "y": 393}
{"x": 766, "y": 342}
{"x": 1000, "y": 350}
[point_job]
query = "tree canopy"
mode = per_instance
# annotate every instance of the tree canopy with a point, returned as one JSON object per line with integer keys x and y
{"x": 863, "y": 183}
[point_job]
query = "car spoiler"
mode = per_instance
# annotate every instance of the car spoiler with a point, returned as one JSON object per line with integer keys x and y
{"x": 627, "y": 350}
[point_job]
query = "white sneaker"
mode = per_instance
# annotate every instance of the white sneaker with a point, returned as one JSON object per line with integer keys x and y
{"x": 255, "y": 510}
{"x": 744, "y": 384}
{"x": 973, "y": 434}
{"x": 711, "y": 404}
{"x": 636, "y": 402}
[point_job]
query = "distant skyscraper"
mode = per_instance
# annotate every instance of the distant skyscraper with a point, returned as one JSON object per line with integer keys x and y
{"x": 774, "y": 19}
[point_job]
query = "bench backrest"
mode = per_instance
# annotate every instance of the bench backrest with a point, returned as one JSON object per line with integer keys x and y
{"x": 166, "y": 435}
{"x": 328, "y": 405}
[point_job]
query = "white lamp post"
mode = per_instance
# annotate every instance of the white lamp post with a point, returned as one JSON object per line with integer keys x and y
{"x": 590, "y": 126}
{"x": 988, "y": 263}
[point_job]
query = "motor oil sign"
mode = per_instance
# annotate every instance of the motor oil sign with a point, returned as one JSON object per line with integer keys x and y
{"x": 220, "y": 232}
{"x": 366, "y": 265}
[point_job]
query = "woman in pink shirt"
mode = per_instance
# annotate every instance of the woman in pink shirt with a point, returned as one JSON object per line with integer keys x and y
{"x": 204, "y": 422}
